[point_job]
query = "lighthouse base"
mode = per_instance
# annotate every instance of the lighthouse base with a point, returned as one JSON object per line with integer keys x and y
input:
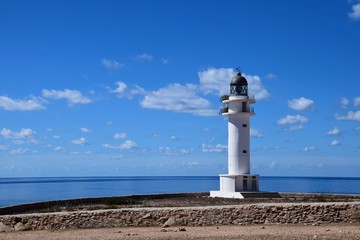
{"x": 232, "y": 186}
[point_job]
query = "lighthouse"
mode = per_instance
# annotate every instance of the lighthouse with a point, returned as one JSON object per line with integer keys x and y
{"x": 237, "y": 107}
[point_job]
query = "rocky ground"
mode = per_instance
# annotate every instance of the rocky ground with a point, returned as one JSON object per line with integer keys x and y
{"x": 328, "y": 231}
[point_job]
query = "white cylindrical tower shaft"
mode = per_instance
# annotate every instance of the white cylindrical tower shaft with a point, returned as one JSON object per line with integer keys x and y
{"x": 239, "y": 144}
{"x": 239, "y": 135}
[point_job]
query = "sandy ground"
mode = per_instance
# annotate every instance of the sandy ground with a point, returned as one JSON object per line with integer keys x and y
{"x": 328, "y": 231}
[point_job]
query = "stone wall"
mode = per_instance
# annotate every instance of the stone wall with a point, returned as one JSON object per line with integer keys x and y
{"x": 281, "y": 213}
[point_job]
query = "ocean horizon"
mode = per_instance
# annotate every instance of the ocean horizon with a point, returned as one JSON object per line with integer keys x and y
{"x": 21, "y": 190}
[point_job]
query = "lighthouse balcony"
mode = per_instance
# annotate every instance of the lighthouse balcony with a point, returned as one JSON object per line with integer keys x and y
{"x": 252, "y": 99}
{"x": 226, "y": 111}
{"x": 223, "y": 111}
{"x": 224, "y": 98}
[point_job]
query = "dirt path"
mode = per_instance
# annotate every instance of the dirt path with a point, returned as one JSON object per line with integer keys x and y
{"x": 328, "y": 231}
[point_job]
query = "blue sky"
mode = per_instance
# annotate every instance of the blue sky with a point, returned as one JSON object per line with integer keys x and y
{"x": 115, "y": 88}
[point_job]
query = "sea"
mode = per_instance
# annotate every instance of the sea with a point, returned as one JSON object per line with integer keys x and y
{"x": 14, "y": 191}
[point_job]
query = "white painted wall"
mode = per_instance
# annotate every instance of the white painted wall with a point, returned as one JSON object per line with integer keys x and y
{"x": 238, "y": 141}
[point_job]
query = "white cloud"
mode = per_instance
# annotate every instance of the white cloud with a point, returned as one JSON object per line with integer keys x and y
{"x": 111, "y": 64}
{"x": 178, "y": 98}
{"x": 185, "y": 151}
{"x": 85, "y": 130}
{"x": 214, "y": 148}
{"x": 268, "y": 148}
{"x": 344, "y": 102}
{"x": 216, "y": 81}
{"x": 19, "y": 151}
{"x": 121, "y": 87}
{"x": 34, "y": 141}
{"x": 350, "y": 116}
{"x": 24, "y": 133}
{"x": 271, "y": 76}
{"x": 80, "y": 141}
{"x": 59, "y": 149}
{"x": 357, "y": 101}
{"x": 56, "y": 137}
{"x": 255, "y": 133}
{"x": 72, "y": 96}
{"x": 21, "y": 105}
{"x": 106, "y": 145}
{"x": 308, "y": 149}
{"x": 256, "y": 88}
{"x": 335, "y": 143}
{"x": 166, "y": 151}
{"x": 119, "y": 135}
{"x": 173, "y": 138}
{"x": 191, "y": 164}
{"x": 145, "y": 57}
{"x": 18, "y": 142}
{"x": 301, "y": 104}
{"x": 294, "y": 127}
{"x": 169, "y": 151}
{"x": 185, "y": 98}
{"x": 290, "y": 119}
{"x": 272, "y": 164}
{"x": 3, "y": 148}
{"x": 165, "y": 60}
{"x": 333, "y": 132}
{"x": 355, "y": 12}
{"x": 128, "y": 144}
{"x": 122, "y": 90}
{"x": 136, "y": 91}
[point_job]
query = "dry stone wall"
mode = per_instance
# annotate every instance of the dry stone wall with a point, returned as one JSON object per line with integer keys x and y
{"x": 281, "y": 213}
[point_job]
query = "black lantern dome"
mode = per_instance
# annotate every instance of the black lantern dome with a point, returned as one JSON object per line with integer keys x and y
{"x": 239, "y": 85}
{"x": 238, "y": 80}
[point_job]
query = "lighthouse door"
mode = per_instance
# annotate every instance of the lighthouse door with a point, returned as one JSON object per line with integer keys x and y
{"x": 244, "y": 107}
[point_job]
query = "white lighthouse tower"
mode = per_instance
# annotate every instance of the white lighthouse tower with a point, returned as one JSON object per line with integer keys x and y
{"x": 238, "y": 108}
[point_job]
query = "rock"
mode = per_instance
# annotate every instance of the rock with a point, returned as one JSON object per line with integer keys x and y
{"x": 19, "y": 227}
{"x": 147, "y": 216}
{"x": 182, "y": 229}
{"x": 5, "y": 228}
{"x": 170, "y": 222}
{"x": 131, "y": 234}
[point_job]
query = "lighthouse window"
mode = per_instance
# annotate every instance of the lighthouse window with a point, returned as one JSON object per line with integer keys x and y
{"x": 244, "y": 125}
{"x": 244, "y": 151}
